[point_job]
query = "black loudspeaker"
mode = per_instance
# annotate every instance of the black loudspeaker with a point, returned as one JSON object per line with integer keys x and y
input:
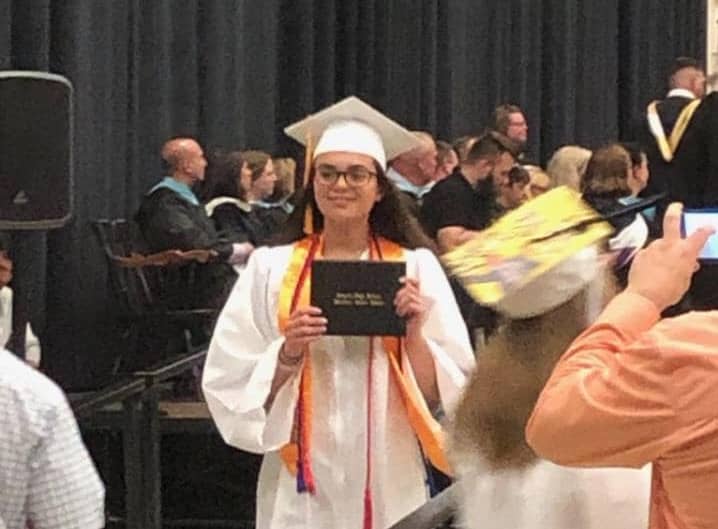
{"x": 36, "y": 191}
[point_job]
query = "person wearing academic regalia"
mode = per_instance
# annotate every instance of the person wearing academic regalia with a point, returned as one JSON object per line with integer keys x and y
{"x": 501, "y": 482}
{"x": 171, "y": 217}
{"x": 224, "y": 193}
{"x": 346, "y": 424}
{"x": 274, "y": 211}
{"x": 664, "y": 133}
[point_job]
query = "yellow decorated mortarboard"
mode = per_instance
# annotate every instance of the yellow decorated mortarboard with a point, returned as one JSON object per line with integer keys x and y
{"x": 535, "y": 258}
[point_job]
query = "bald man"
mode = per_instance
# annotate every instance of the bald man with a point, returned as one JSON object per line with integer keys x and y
{"x": 413, "y": 172}
{"x": 171, "y": 218}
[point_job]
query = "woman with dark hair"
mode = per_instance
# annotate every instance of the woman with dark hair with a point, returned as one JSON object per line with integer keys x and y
{"x": 344, "y": 422}
{"x": 225, "y": 189}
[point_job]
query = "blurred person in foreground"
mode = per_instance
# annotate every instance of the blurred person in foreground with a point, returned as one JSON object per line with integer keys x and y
{"x": 634, "y": 389}
{"x": 501, "y": 482}
{"x": 47, "y": 479}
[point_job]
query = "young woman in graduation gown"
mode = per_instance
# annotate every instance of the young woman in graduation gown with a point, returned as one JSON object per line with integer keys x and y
{"x": 344, "y": 423}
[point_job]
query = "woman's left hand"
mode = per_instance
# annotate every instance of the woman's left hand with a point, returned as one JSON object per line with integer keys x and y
{"x": 410, "y": 304}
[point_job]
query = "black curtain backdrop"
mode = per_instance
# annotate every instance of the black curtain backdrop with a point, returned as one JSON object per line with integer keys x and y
{"x": 233, "y": 73}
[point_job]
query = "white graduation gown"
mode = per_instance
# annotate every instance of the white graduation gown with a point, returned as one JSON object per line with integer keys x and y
{"x": 238, "y": 373}
{"x": 547, "y": 496}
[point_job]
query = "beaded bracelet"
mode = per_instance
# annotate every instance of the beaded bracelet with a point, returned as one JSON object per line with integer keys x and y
{"x": 289, "y": 361}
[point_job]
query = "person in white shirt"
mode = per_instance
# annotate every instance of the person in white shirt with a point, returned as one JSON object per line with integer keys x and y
{"x": 47, "y": 478}
{"x": 33, "y": 351}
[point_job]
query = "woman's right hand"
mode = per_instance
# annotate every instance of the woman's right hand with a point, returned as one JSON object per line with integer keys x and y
{"x": 305, "y": 325}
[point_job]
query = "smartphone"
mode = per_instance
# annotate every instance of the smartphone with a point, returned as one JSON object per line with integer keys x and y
{"x": 693, "y": 219}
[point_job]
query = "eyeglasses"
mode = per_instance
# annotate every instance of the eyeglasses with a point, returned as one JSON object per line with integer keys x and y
{"x": 354, "y": 176}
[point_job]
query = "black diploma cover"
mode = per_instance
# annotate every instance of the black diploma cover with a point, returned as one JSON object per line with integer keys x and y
{"x": 357, "y": 297}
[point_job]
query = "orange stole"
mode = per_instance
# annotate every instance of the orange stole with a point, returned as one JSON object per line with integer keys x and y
{"x": 427, "y": 430}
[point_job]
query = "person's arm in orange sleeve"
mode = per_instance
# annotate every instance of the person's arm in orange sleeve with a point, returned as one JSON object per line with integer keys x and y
{"x": 605, "y": 403}
{"x": 608, "y": 402}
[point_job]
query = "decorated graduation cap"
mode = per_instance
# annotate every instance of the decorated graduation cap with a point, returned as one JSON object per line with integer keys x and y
{"x": 351, "y": 125}
{"x": 538, "y": 256}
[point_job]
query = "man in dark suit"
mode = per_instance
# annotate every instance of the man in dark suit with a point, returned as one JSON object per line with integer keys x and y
{"x": 665, "y": 132}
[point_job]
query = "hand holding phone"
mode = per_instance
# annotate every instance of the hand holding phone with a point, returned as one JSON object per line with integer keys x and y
{"x": 662, "y": 272}
{"x": 692, "y": 220}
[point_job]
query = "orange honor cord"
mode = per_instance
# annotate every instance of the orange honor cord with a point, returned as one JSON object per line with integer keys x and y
{"x": 295, "y": 292}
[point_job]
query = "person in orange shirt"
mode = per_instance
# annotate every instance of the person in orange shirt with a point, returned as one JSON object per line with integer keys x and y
{"x": 635, "y": 389}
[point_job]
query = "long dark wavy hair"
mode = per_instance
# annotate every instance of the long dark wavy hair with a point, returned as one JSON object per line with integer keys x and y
{"x": 389, "y": 218}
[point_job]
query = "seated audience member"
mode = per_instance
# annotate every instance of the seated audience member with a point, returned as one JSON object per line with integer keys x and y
{"x": 462, "y": 146}
{"x": 413, "y": 172}
{"x": 641, "y": 175}
{"x": 633, "y": 389}
{"x": 501, "y": 481}
{"x": 264, "y": 179}
{"x": 510, "y": 121}
{"x": 512, "y": 192}
{"x": 567, "y": 165}
{"x": 32, "y": 344}
{"x": 171, "y": 218}
{"x": 539, "y": 181}
{"x": 275, "y": 210}
{"x": 465, "y": 202}
{"x": 225, "y": 189}
{"x": 462, "y": 205}
{"x": 446, "y": 160}
{"x": 609, "y": 185}
{"x": 47, "y": 478}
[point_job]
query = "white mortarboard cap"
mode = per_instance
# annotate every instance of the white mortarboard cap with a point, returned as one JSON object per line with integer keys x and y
{"x": 351, "y": 125}
{"x": 554, "y": 288}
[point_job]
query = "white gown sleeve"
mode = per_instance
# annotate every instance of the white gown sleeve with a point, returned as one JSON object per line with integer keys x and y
{"x": 241, "y": 362}
{"x": 444, "y": 330}
{"x": 33, "y": 351}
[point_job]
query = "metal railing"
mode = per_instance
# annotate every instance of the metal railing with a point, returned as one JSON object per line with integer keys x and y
{"x": 139, "y": 395}
{"x": 436, "y": 513}
{"x": 141, "y": 439}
